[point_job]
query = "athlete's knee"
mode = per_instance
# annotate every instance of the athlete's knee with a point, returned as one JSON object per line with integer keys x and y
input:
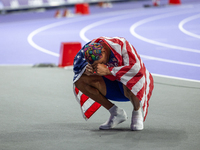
{"x": 92, "y": 90}
{"x": 86, "y": 83}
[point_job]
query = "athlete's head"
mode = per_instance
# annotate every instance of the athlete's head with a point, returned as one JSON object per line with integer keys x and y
{"x": 93, "y": 52}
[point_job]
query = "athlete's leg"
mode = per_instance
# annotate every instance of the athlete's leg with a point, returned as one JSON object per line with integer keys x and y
{"x": 137, "y": 118}
{"x": 134, "y": 100}
{"x": 94, "y": 87}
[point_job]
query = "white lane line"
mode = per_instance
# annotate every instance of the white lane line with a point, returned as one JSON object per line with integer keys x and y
{"x": 101, "y": 22}
{"x": 181, "y": 24}
{"x": 141, "y": 22}
{"x": 176, "y": 78}
{"x": 32, "y": 34}
{"x": 79, "y": 19}
{"x": 109, "y": 20}
{"x": 170, "y": 61}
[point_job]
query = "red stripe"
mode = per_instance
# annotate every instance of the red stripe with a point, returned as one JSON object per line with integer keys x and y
{"x": 151, "y": 86}
{"x": 132, "y": 61}
{"x": 145, "y": 115}
{"x": 132, "y": 57}
{"x": 141, "y": 93}
{"x": 138, "y": 56}
{"x": 83, "y": 99}
{"x": 76, "y": 90}
{"x": 145, "y": 100}
{"x": 136, "y": 78}
{"x": 92, "y": 110}
{"x": 116, "y": 40}
{"x": 122, "y": 71}
{"x": 147, "y": 103}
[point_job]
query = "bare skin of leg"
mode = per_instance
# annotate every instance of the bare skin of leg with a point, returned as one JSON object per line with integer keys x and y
{"x": 94, "y": 87}
{"x": 135, "y": 101}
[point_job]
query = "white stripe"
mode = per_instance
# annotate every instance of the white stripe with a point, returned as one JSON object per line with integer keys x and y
{"x": 142, "y": 100}
{"x": 148, "y": 82}
{"x": 135, "y": 68}
{"x": 146, "y": 93}
{"x": 115, "y": 46}
{"x": 115, "y": 70}
{"x": 138, "y": 86}
{"x": 87, "y": 105}
{"x": 131, "y": 73}
{"x": 77, "y": 96}
{"x": 124, "y": 53}
{"x": 137, "y": 59}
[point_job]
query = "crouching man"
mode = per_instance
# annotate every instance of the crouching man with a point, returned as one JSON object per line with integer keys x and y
{"x": 109, "y": 69}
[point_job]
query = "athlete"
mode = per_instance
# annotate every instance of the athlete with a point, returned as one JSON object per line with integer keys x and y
{"x": 109, "y": 69}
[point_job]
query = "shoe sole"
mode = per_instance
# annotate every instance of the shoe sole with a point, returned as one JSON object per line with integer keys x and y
{"x": 113, "y": 126}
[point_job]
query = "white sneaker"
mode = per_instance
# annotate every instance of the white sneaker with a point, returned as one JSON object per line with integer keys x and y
{"x": 137, "y": 121}
{"x": 115, "y": 119}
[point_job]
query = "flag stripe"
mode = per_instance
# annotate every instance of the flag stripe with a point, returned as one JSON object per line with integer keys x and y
{"x": 145, "y": 106}
{"x": 83, "y": 99}
{"x": 87, "y": 104}
{"x": 76, "y": 90}
{"x": 92, "y": 109}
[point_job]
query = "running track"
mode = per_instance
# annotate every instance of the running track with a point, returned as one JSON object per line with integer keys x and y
{"x": 166, "y": 37}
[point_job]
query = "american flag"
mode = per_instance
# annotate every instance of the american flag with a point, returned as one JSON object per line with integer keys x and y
{"x": 131, "y": 71}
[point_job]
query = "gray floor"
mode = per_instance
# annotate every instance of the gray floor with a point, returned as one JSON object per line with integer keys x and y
{"x": 38, "y": 111}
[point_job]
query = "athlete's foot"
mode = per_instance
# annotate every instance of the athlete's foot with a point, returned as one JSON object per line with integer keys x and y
{"x": 137, "y": 120}
{"x": 116, "y": 118}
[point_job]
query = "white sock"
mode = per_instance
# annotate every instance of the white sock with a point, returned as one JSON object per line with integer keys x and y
{"x": 137, "y": 112}
{"x": 137, "y": 120}
{"x": 113, "y": 110}
{"x": 117, "y": 116}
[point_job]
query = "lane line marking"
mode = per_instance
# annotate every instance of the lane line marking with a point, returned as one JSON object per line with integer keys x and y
{"x": 176, "y": 78}
{"x": 170, "y": 61}
{"x": 32, "y": 34}
{"x": 141, "y": 22}
{"x": 52, "y": 25}
{"x": 186, "y": 20}
{"x": 109, "y": 20}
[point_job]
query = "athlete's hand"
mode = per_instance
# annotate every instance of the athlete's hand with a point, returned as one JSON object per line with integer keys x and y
{"x": 89, "y": 70}
{"x": 102, "y": 70}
